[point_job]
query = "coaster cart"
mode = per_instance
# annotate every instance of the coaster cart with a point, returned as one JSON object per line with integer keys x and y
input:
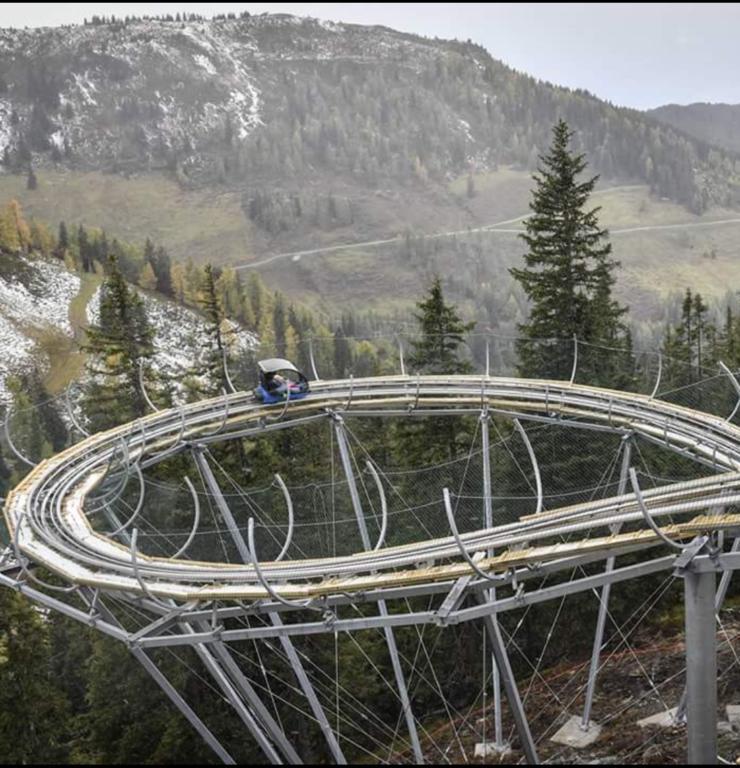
{"x": 280, "y": 380}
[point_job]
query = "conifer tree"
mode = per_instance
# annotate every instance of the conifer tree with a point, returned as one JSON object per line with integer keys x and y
{"x": 147, "y": 278}
{"x": 441, "y": 334}
{"x": 436, "y": 351}
{"x": 692, "y": 344}
{"x": 5, "y": 474}
{"x": 34, "y": 723}
{"x": 342, "y": 354}
{"x": 117, "y": 346}
{"x": 83, "y": 247}
{"x": 162, "y": 266}
{"x": 62, "y": 241}
{"x": 215, "y": 344}
{"x": 569, "y": 273}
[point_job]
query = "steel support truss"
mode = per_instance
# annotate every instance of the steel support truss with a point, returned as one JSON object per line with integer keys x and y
{"x": 202, "y": 623}
{"x": 202, "y": 629}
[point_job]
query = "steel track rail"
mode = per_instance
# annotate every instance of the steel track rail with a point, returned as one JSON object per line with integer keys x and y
{"x": 53, "y": 529}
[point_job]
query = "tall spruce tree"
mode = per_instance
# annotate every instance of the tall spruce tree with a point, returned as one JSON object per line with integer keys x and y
{"x": 215, "y": 343}
{"x": 441, "y": 334}
{"x": 436, "y": 351}
{"x": 569, "y": 273}
{"x": 116, "y": 347}
{"x": 62, "y": 241}
{"x": 5, "y": 475}
{"x": 693, "y": 345}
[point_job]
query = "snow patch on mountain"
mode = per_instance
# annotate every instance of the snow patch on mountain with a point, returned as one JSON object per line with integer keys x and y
{"x": 39, "y": 301}
{"x": 6, "y": 129}
{"x": 44, "y": 300}
{"x": 84, "y": 87}
{"x": 205, "y": 63}
{"x": 179, "y": 338}
{"x": 17, "y": 354}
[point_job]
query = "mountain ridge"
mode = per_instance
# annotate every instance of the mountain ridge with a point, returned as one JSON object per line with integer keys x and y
{"x": 716, "y": 123}
{"x": 221, "y": 101}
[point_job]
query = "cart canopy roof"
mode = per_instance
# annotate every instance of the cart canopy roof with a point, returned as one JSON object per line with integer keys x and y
{"x": 275, "y": 364}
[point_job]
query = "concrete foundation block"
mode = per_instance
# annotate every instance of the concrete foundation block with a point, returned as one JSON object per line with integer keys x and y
{"x": 661, "y": 719}
{"x": 490, "y": 749}
{"x": 733, "y": 715}
{"x": 572, "y": 734}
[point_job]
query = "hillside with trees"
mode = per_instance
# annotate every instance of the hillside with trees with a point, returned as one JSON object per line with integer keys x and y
{"x": 716, "y": 124}
{"x": 274, "y": 104}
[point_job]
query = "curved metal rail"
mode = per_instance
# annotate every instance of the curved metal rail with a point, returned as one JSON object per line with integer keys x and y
{"x": 46, "y": 514}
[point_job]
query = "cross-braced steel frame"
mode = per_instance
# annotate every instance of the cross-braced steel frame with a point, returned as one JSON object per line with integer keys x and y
{"x": 475, "y": 575}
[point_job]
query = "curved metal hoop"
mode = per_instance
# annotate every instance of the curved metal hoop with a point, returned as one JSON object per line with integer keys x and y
{"x": 175, "y": 443}
{"x": 533, "y": 460}
{"x": 139, "y": 503}
{"x": 646, "y": 515}
{"x": 418, "y": 392}
{"x": 224, "y": 418}
{"x": 137, "y": 573}
{"x": 348, "y": 404}
{"x": 736, "y": 387}
{"x": 142, "y": 387}
{"x": 313, "y": 362}
{"x": 112, "y": 497}
{"x": 383, "y": 506}
{"x": 660, "y": 373}
{"x": 456, "y": 535}
{"x": 227, "y": 375}
{"x": 400, "y": 355}
{"x": 196, "y": 519}
{"x": 71, "y": 414}
{"x": 575, "y": 359}
{"x": 289, "y": 504}
{"x": 12, "y": 445}
{"x": 308, "y": 604}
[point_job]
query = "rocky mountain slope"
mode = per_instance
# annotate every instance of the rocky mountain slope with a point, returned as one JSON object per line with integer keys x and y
{"x": 636, "y": 682}
{"x": 273, "y": 99}
{"x": 44, "y": 309}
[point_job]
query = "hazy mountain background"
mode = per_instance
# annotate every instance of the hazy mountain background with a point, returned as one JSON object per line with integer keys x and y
{"x": 241, "y": 139}
{"x": 717, "y": 124}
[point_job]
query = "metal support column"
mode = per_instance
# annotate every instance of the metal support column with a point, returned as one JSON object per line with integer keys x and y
{"x": 207, "y": 473}
{"x": 605, "y": 593}
{"x": 236, "y": 702}
{"x": 183, "y": 706}
{"x": 488, "y": 520}
{"x": 243, "y": 687}
{"x": 724, "y": 582}
{"x": 719, "y": 599}
{"x": 390, "y": 638}
{"x": 512, "y": 692}
{"x": 308, "y": 690}
{"x": 286, "y": 642}
{"x": 701, "y": 667}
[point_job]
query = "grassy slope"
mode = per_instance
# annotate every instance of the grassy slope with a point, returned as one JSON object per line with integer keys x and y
{"x": 205, "y": 225}
{"x": 209, "y": 225}
{"x": 654, "y": 263}
{"x": 66, "y": 360}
